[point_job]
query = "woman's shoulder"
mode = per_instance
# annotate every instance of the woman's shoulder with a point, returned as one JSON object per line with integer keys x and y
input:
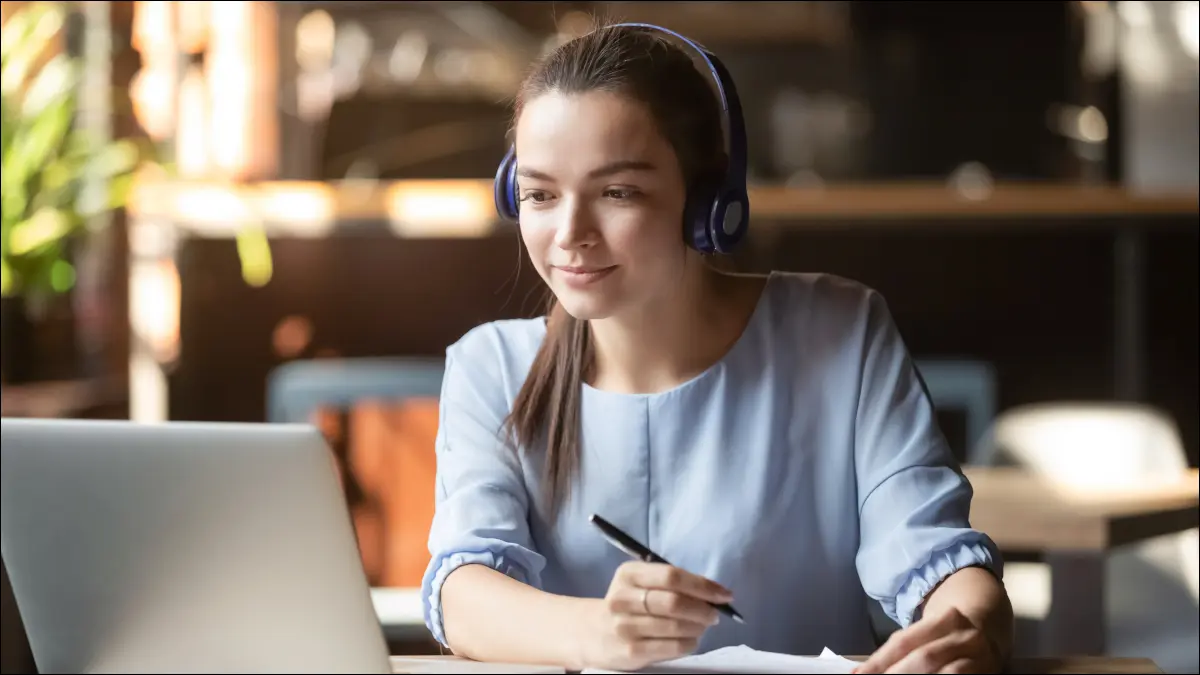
{"x": 503, "y": 350}
{"x": 804, "y": 300}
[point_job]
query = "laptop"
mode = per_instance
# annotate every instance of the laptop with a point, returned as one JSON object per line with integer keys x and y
{"x": 183, "y": 547}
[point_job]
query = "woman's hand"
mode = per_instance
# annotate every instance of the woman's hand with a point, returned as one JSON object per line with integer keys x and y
{"x": 945, "y": 643}
{"x": 652, "y": 612}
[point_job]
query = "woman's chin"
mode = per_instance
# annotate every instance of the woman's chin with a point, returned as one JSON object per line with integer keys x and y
{"x": 584, "y": 306}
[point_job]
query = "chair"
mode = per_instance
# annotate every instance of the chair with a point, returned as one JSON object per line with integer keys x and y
{"x": 388, "y": 464}
{"x": 963, "y": 384}
{"x": 297, "y": 389}
{"x": 1152, "y": 589}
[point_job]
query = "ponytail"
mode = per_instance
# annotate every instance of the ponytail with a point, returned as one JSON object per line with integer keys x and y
{"x": 549, "y": 402}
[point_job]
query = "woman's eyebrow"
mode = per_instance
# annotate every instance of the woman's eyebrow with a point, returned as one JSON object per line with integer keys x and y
{"x": 609, "y": 169}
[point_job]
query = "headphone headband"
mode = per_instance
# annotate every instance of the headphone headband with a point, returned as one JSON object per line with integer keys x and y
{"x": 731, "y": 105}
{"x": 717, "y": 215}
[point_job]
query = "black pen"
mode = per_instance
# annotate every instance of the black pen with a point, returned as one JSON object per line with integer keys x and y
{"x": 631, "y": 546}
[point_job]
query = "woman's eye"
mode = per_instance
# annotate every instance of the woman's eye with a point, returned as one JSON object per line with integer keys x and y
{"x": 620, "y": 193}
{"x": 535, "y": 196}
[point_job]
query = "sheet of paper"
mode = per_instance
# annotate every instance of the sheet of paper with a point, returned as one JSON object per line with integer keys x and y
{"x": 743, "y": 659}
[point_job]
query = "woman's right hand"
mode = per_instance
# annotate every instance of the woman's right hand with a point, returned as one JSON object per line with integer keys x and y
{"x": 652, "y": 612}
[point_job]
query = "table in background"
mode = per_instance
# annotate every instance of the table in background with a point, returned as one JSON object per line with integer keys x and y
{"x": 1073, "y": 530}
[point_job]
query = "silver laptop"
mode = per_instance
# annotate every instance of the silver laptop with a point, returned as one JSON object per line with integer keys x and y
{"x": 183, "y": 547}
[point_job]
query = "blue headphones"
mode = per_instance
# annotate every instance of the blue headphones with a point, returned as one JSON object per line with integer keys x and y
{"x": 717, "y": 213}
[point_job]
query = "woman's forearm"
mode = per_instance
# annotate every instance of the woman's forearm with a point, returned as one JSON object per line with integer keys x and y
{"x": 488, "y": 616}
{"x": 979, "y": 596}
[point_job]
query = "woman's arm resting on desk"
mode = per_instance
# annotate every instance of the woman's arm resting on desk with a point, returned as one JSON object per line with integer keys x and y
{"x": 966, "y": 627}
{"x": 918, "y": 554}
{"x": 492, "y": 617}
{"x": 651, "y": 613}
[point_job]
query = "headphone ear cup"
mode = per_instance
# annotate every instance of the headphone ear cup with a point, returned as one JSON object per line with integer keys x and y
{"x": 505, "y": 188}
{"x": 729, "y": 220}
{"x": 698, "y": 214}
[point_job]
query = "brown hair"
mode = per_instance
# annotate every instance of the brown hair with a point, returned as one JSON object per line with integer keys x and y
{"x": 645, "y": 67}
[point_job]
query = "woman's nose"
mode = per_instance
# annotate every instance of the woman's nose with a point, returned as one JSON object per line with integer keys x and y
{"x": 576, "y": 229}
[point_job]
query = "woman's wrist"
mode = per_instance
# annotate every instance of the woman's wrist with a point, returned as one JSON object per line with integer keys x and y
{"x": 586, "y": 626}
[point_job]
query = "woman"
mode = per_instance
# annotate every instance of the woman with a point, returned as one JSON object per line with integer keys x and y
{"x": 767, "y": 435}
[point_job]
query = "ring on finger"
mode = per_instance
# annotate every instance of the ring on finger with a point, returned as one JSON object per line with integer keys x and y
{"x": 646, "y": 600}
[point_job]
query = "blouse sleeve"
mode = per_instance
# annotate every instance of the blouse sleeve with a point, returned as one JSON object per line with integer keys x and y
{"x": 481, "y": 504}
{"x": 914, "y": 501}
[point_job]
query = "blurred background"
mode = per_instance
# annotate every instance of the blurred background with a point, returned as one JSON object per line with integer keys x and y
{"x": 282, "y": 211}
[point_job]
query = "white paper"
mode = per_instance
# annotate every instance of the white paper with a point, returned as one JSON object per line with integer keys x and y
{"x": 743, "y": 659}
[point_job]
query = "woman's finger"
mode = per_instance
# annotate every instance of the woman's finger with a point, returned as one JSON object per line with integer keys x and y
{"x": 654, "y": 650}
{"x": 670, "y": 578}
{"x": 933, "y": 656}
{"x": 644, "y": 626}
{"x": 904, "y": 642}
{"x": 656, "y": 602}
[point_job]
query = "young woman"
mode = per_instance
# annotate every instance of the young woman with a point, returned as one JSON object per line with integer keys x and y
{"x": 766, "y": 435}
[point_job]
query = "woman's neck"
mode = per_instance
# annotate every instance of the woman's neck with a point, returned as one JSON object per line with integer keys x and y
{"x": 675, "y": 337}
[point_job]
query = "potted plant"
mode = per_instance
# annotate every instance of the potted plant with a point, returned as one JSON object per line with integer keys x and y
{"x": 51, "y": 167}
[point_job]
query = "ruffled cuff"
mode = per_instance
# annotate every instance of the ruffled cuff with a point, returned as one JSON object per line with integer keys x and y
{"x": 943, "y": 563}
{"x": 496, "y": 560}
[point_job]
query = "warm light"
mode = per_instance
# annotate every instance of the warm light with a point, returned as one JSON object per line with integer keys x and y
{"x": 152, "y": 92}
{"x": 306, "y": 209}
{"x": 972, "y": 181}
{"x": 192, "y": 142}
{"x": 408, "y": 56}
{"x": 297, "y": 209}
{"x": 193, "y": 25}
{"x": 1091, "y": 125}
{"x": 1082, "y": 448}
{"x": 1084, "y": 124}
{"x": 315, "y": 35}
{"x": 1028, "y": 586}
{"x": 221, "y": 117}
{"x": 214, "y": 206}
{"x": 447, "y": 208}
{"x": 154, "y": 306}
{"x": 229, "y": 87}
{"x": 148, "y": 395}
{"x": 153, "y": 30}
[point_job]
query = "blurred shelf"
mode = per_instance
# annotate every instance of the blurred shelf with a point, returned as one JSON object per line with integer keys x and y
{"x": 464, "y": 208}
{"x": 61, "y": 399}
{"x": 934, "y": 200}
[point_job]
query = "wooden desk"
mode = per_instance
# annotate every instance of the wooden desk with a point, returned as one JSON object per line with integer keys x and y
{"x": 1083, "y": 664}
{"x": 1073, "y": 529}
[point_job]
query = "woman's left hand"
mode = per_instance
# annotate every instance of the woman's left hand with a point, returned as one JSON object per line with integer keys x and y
{"x": 946, "y": 643}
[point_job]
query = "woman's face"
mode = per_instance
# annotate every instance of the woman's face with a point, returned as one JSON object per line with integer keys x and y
{"x": 602, "y": 198}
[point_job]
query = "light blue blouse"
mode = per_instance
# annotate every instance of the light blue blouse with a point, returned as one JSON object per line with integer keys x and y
{"x": 802, "y": 469}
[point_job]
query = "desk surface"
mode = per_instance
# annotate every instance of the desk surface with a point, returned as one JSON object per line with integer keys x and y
{"x": 1082, "y": 664}
{"x": 1021, "y": 511}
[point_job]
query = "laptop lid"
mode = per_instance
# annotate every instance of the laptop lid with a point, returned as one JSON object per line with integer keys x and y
{"x": 183, "y": 547}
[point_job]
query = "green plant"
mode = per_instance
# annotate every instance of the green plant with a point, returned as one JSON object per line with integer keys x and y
{"x": 49, "y": 162}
